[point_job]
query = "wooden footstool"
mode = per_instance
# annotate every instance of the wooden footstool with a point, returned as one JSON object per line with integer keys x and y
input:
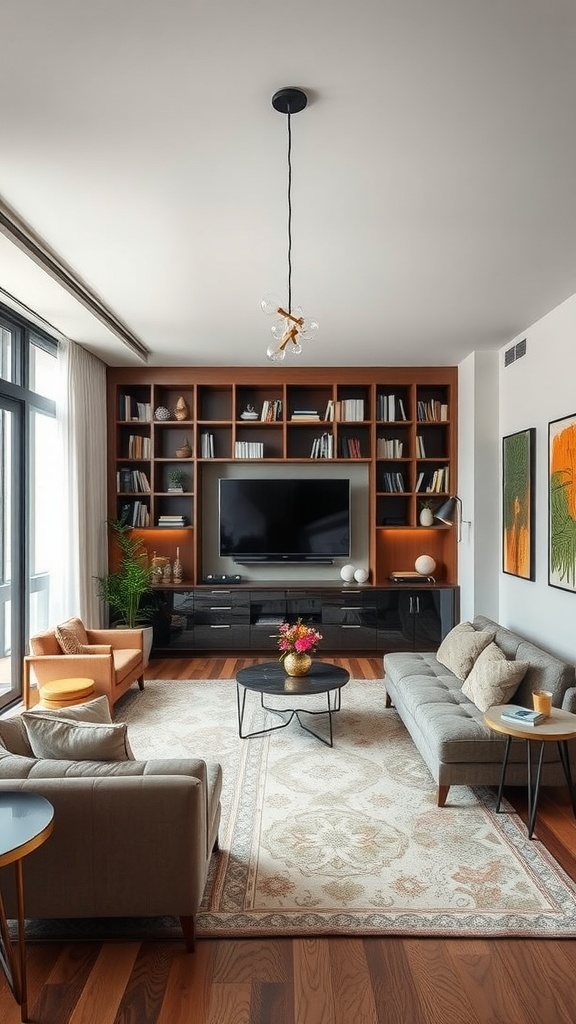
{"x": 63, "y": 693}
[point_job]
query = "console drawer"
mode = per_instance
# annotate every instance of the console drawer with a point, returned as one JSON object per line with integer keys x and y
{"x": 217, "y": 636}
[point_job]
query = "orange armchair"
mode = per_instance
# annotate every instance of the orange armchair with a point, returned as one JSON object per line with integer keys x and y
{"x": 113, "y": 658}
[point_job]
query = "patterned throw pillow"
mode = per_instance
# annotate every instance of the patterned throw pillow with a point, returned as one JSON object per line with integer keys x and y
{"x": 460, "y": 648}
{"x": 493, "y": 679}
{"x": 72, "y": 636}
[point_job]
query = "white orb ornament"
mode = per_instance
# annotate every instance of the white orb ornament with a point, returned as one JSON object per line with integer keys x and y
{"x": 347, "y": 573}
{"x": 425, "y": 565}
{"x": 361, "y": 575}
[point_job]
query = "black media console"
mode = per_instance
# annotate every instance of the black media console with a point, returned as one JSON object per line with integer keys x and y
{"x": 246, "y": 617}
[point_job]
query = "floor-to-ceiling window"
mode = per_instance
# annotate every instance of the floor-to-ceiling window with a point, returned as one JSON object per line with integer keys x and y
{"x": 28, "y": 457}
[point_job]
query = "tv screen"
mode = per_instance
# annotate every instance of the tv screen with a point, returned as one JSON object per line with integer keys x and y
{"x": 284, "y": 520}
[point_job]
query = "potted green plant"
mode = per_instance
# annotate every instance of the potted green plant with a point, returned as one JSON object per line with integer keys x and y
{"x": 176, "y": 478}
{"x": 125, "y": 587}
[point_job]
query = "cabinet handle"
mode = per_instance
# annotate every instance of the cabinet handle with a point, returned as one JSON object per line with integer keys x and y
{"x": 220, "y": 591}
{"x": 351, "y": 608}
{"x": 221, "y": 608}
{"x": 417, "y": 605}
{"x": 350, "y": 627}
{"x": 411, "y": 605}
{"x": 357, "y": 591}
{"x": 225, "y": 625}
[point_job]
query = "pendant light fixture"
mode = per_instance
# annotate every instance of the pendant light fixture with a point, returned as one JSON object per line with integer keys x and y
{"x": 290, "y": 327}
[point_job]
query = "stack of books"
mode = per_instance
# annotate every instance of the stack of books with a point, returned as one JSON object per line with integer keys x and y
{"x": 522, "y": 716}
{"x": 172, "y": 521}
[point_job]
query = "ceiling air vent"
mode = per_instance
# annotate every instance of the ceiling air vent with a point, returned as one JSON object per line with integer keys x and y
{"x": 509, "y": 355}
{"x": 521, "y": 349}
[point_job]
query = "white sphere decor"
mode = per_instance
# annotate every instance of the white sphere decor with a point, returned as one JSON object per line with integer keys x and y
{"x": 425, "y": 565}
{"x": 347, "y": 573}
{"x": 361, "y": 575}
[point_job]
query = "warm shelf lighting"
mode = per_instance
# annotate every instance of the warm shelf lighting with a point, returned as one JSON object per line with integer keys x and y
{"x": 290, "y": 327}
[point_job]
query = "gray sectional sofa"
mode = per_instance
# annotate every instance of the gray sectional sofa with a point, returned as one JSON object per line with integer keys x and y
{"x": 449, "y": 730}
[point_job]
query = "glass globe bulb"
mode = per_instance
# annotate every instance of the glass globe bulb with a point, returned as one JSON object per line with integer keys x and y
{"x": 270, "y": 305}
{"x": 308, "y": 330}
{"x": 275, "y": 355}
{"x": 278, "y": 329}
{"x": 296, "y": 347}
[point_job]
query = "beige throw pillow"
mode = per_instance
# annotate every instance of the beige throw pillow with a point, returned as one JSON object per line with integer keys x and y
{"x": 96, "y": 710}
{"x": 57, "y": 737}
{"x": 493, "y": 679}
{"x": 460, "y": 648}
{"x": 72, "y": 636}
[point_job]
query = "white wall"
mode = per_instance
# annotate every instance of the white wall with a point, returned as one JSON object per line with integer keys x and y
{"x": 538, "y": 388}
{"x": 478, "y": 485}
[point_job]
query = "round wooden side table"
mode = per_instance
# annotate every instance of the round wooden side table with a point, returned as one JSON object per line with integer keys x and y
{"x": 26, "y": 821}
{"x": 559, "y": 727}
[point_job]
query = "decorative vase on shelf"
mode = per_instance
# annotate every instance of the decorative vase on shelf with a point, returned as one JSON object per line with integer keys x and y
{"x": 297, "y": 664}
{"x": 177, "y": 570}
{"x": 167, "y": 572}
{"x": 426, "y": 517}
{"x": 182, "y": 410}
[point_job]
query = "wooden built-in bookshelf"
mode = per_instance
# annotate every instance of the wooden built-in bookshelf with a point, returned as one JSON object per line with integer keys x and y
{"x": 413, "y": 449}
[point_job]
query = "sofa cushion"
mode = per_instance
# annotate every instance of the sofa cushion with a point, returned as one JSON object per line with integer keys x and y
{"x": 13, "y": 737}
{"x": 460, "y": 648}
{"x": 53, "y": 736}
{"x": 72, "y": 636}
{"x": 493, "y": 679}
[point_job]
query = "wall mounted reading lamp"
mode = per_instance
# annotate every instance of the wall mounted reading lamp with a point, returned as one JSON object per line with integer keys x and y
{"x": 450, "y": 513}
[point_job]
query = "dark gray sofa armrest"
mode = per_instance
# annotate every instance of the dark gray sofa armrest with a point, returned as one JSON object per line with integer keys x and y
{"x": 569, "y": 700}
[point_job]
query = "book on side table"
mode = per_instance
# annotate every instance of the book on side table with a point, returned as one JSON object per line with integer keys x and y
{"x": 523, "y": 716}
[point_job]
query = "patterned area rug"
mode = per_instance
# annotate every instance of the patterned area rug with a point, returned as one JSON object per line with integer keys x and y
{"x": 347, "y": 840}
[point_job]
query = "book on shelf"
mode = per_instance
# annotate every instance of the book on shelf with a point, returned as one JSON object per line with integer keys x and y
{"x": 323, "y": 447}
{"x": 390, "y": 408}
{"x": 522, "y": 716}
{"x": 248, "y": 450}
{"x": 207, "y": 446}
{"x": 329, "y": 410}
{"x": 350, "y": 409}
{"x": 271, "y": 410}
{"x": 305, "y": 414}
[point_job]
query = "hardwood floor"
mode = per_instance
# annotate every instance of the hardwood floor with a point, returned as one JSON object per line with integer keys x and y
{"x": 310, "y": 981}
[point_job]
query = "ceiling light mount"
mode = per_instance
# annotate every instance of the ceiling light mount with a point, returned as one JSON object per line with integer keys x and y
{"x": 289, "y": 327}
{"x": 289, "y": 100}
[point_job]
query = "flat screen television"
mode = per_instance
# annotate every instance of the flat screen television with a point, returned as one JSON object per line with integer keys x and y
{"x": 284, "y": 520}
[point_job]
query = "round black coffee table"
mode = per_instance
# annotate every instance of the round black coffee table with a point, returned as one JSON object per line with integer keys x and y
{"x": 270, "y": 678}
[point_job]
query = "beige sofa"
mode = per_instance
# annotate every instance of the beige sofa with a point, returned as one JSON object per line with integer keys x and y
{"x": 130, "y": 838}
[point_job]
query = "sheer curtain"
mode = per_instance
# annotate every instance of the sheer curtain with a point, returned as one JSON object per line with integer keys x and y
{"x": 82, "y": 544}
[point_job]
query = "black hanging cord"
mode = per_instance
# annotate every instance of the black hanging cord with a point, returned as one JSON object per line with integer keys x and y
{"x": 289, "y": 214}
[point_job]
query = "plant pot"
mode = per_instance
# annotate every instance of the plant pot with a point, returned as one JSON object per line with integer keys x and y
{"x": 148, "y": 632}
{"x": 297, "y": 664}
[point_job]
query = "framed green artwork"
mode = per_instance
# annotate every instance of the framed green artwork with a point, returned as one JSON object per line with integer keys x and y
{"x": 562, "y": 503}
{"x": 518, "y": 504}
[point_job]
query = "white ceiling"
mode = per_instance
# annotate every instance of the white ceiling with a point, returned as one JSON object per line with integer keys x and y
{"x": 434, "y": 171}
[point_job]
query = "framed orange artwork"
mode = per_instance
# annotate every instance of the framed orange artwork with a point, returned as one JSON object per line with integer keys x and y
{"x": 562, "y": 503}
{"x": 518, "y": 504}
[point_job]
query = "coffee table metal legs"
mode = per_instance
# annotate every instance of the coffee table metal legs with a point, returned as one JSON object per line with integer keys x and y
{"x": 288, "y": 714}
{"x": 534, "y": 790}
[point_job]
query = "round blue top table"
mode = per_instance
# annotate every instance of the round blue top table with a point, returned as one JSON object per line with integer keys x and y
{"x": 26, "y": 821}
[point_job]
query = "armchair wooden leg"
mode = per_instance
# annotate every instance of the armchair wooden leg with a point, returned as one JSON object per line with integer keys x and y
{"x": 141, "y": 683}
{"x": 442, "y": 795}
{"x": 189, "y": 930}
{"x": 388, "y": 701}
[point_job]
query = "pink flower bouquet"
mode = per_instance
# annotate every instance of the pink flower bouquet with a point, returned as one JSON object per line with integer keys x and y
{"x": 297, "y": 639}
